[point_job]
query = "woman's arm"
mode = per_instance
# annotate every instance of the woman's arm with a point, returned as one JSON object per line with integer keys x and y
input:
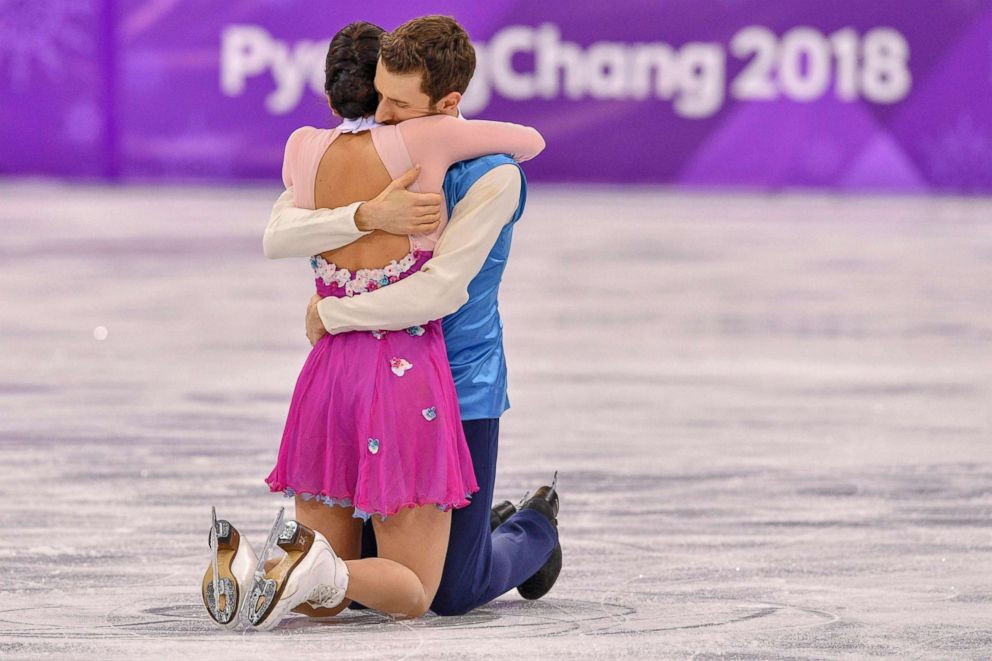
{"x": 296, "y": 232}
{"x": 291, "y": 154}
{"x": 440, "y": 287}
{"x": 444, "y": 139}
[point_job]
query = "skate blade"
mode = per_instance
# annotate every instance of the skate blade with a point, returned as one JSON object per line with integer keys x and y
{"x": 220, "y": 587}
{"x": 250, "y": 608}
{"x": 296, "y": 540}
{"x": 214, "y": 561}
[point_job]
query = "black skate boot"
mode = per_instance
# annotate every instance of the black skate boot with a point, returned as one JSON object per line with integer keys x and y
{"x": 500, "y": 513}
{"x": 545, "y": 501}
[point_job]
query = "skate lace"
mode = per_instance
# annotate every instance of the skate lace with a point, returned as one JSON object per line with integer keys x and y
{"x": 323, "y": 595}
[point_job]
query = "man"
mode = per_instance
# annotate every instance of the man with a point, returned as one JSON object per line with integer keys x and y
{"x": 425, "y": 65}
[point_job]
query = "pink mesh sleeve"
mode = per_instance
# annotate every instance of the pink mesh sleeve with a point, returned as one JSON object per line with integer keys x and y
{"x": 440, "y": 140}
{"x": 291, "y": 155}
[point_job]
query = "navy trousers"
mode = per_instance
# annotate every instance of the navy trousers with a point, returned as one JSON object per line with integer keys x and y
{"x": 481, "y": 565}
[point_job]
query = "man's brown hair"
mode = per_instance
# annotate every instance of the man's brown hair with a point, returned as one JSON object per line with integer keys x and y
{"x": 436, "y": 47}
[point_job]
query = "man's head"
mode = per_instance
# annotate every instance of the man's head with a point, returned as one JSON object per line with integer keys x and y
{"x": 424, "y": 67}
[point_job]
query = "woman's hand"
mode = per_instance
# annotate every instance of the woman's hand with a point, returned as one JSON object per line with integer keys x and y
{"x": 315, "y": 327}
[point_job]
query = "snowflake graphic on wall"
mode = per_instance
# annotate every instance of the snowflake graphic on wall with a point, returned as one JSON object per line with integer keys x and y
{"x": 38, "y": 37}
{"x": 960, "y": 154}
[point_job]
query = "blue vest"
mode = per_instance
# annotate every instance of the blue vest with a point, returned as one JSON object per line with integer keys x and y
{"x": 474, "y": 333}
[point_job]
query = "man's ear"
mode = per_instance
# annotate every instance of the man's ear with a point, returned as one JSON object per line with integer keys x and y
{"x": 448, "y": 104}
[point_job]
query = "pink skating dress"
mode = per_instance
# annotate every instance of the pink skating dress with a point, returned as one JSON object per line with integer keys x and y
{"x": 374, "y": 421}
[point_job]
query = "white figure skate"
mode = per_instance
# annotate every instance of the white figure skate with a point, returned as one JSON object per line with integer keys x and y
{"x": 309, "y": 572}
{"x": 229, "y": 574}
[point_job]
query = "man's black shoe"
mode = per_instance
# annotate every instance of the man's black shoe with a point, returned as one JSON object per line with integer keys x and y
{"x": 541, "y": 583}
{"x": 500, "y": 513}
{"x": 547, "y": 495}
{"x": 545, "y": 501}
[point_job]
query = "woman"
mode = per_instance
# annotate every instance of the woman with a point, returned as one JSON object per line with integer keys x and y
{"x": 373, "y": 429}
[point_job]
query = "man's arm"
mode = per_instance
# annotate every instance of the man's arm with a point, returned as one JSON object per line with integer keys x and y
{"x": 441, "y": 285}
{"x": 296, "y": 232}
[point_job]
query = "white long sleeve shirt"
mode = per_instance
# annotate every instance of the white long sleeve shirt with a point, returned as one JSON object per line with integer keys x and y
{"x": 438, "y": 289}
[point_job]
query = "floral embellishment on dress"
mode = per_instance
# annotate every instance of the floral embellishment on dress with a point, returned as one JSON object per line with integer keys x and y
{"x": 399, "y": 366}
{"x": 364, "y": 279}
{"x": 429, "y": 414}
{"x": 373, "y": 445}
{"x": 415, "y": 331}
{"x": 379, "y": 334}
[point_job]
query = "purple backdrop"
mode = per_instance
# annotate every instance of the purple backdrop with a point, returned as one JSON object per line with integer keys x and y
{"x": 882, "y": 95}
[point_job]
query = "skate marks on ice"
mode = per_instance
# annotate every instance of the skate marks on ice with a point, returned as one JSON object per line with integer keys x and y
{"x": 773, "y": 559}
{"x": 510, "y": 618}
{"x": 770, "y": 415}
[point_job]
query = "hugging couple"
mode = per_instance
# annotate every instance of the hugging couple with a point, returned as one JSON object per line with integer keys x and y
{"x": 406, "y": 211}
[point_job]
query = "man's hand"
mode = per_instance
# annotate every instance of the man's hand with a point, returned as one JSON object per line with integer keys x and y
{"x": 399, "y": 211}
{"x": 315, "y": 327}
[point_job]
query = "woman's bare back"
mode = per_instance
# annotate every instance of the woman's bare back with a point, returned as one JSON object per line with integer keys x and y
{"x": 351, "y": 170}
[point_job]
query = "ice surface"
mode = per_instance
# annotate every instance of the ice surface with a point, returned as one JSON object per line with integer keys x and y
{"x": 771, "y": 417}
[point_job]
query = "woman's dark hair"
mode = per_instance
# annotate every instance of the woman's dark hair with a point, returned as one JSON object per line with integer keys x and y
{"x": 350, "y": 70}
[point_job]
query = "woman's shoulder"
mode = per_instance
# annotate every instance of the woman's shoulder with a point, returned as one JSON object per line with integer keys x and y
{"x": 306, "y": 138}
{"x": 305, "y": 132}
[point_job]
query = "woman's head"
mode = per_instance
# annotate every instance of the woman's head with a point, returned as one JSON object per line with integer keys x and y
{"x": 350, "y": 70}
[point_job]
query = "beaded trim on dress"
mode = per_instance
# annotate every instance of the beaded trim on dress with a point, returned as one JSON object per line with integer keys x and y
{"x": 290, "y": 492}
{"x": 362, "y": 280}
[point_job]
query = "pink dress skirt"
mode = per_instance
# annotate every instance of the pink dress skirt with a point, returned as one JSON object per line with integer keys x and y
{"x": 374, "y": 422}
